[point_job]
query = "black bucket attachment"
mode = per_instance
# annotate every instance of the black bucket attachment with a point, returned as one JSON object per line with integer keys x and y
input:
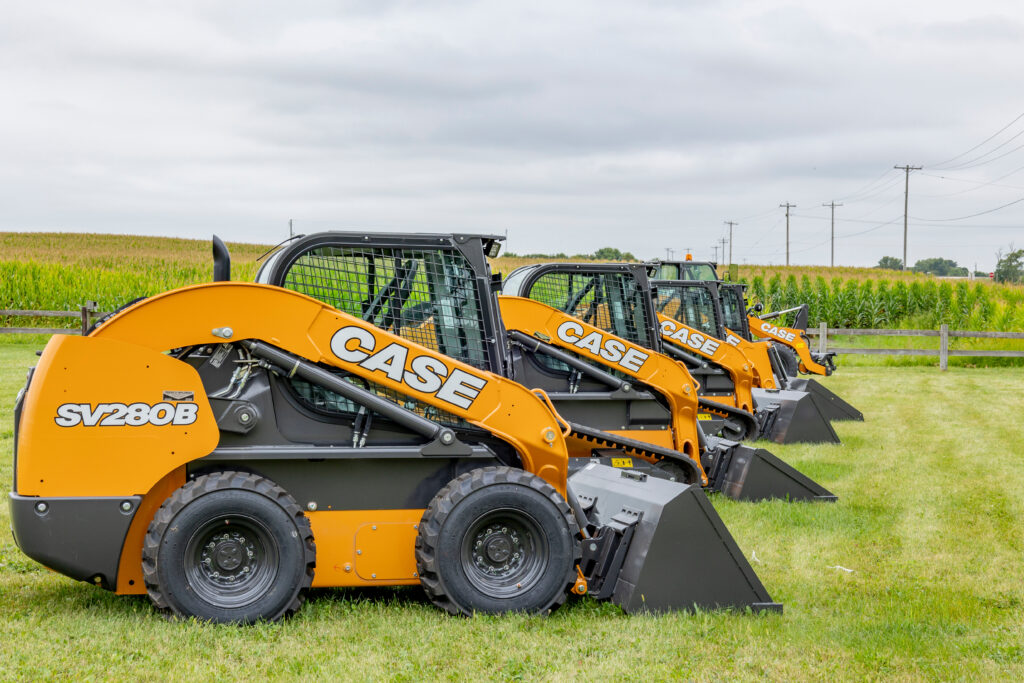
{"x": 792, "y": 417}
{"x": 657, "y": 546}
{"x": 744, "y": 473}
{"x": 829, "y": 404}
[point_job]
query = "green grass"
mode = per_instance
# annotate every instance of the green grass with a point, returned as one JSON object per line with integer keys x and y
{"x": 930, "y": 520}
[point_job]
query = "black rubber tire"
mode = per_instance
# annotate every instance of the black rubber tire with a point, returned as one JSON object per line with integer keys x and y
{"x": 502, "y": 498}
{"x": 790, "y": 361}
{"x": 238, "y": 523}
{"x": 672, "y": 471}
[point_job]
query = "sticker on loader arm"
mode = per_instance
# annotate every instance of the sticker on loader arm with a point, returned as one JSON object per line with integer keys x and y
{"x": 622, "y": 462}
{"x": 695, "y": 340}
{"x": 604, "y": 346}
{"x": 773, "y": 331}
{"x": 126, "y": 415}
{"x": 426, "y": 374}
{"x": 703, "y": 416}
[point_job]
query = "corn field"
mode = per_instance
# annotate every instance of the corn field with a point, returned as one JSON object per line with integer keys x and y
{"x": 904, "y": 303}
{"x": 55, "y": 271}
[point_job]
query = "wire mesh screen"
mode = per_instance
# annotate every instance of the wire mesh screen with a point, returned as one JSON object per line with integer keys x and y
{"x": 426, "y": 296}
{"x": 689, "y": 304}
{"x": 612, "y": 302}
{"x": 734, "y": 311}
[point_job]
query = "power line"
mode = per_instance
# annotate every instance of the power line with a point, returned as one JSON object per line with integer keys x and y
{"x": 787, "y": 206}
{"x": 854, "y": 194}
{"x": 882, "y": 189}
{"x": 973, "y": 215}
{"x": 757, "y": 215}
{"x": 962, "y": 154}
{"x": 978, "y": 183}
{"x": 970, "y": 164}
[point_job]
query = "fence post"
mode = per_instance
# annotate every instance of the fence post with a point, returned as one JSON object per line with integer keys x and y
{"x": 87, "y": 310}
{"x": 943, "y": 346}
{"x": 822, "y": 337}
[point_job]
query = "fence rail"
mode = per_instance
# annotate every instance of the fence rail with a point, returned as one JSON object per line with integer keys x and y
{"x": 944, "y": 334}
{"x": 86, "y": 314}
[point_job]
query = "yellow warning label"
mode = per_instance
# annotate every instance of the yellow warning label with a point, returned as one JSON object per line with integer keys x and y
{"x": 703, "y": 416}
{"x": 622, "y": 462}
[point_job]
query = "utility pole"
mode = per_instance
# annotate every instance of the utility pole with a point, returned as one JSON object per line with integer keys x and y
{"x": 906, "y": 200}
{"x": 787, "y": 206}
{"x": 723, "y": 249}
{"x": 668, "y": 253}
{"x": 730, "y": 224}
{"x": 715, "y": 247}
{"x": 291, "y": 233}
{"x": 833, "y": 205}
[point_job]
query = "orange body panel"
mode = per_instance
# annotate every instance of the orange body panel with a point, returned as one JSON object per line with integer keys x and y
{"x": 129, "y": 571}
{"x": 790, "y": 337}
{"x": 655, "y": 370}
{"x": 365, "y": 547}
{"x": 69, "y": 446}
{"x": 718, "y": 352}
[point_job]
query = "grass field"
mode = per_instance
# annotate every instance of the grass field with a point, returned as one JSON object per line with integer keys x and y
{"x": 930, "y": 521}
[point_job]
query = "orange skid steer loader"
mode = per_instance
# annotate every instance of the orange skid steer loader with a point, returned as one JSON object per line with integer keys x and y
{"x": 788, "y": 347}
{"x": 732, "y": 367}
{"x": 623, "y": 403}
{"x": 225, "y": 446}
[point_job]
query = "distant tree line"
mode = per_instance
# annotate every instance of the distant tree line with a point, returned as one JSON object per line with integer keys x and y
{"x": 1009, "y": 266}
{"x": 602, "y": 254}
{"x": 942, "y": 267}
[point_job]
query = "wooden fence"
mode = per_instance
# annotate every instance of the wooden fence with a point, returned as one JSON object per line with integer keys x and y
{"x": 943, "y": 333}
{"x": 87, "y": 313}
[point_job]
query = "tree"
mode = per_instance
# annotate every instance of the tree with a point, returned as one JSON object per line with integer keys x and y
{"x": 1010, "y": 268}
{"x": 940, "y": 266}
{"x": 890, "y": 263}
{"x": 613, "y": 254}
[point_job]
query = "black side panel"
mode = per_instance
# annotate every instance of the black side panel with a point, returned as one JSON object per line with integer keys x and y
{"x": 827, "y": 401}
{"x": 358, "y": 482}
{"x": 78, "y": 537}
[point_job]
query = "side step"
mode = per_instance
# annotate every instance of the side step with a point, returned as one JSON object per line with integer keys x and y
{"x": 797, "y": 419}
{"x": 658, "y": 545}
{"x": 828, "y": 402}
{"x": 753, "y": 474}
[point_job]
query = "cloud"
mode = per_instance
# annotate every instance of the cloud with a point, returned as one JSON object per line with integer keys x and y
{"x": 574, "y": 124}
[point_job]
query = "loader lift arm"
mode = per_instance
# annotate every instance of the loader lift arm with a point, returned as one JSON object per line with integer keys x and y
{"x": 792, "y": 338}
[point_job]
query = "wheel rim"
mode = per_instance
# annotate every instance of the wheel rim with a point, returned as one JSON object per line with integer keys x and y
{"x": 231, "y": 561}
{"x": 504, "y": 553}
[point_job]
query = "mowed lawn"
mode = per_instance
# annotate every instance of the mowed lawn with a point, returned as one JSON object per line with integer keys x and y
{"x": 917, "y": 574}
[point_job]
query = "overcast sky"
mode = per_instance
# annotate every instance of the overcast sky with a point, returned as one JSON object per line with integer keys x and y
{"x": 571, "y": 125}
